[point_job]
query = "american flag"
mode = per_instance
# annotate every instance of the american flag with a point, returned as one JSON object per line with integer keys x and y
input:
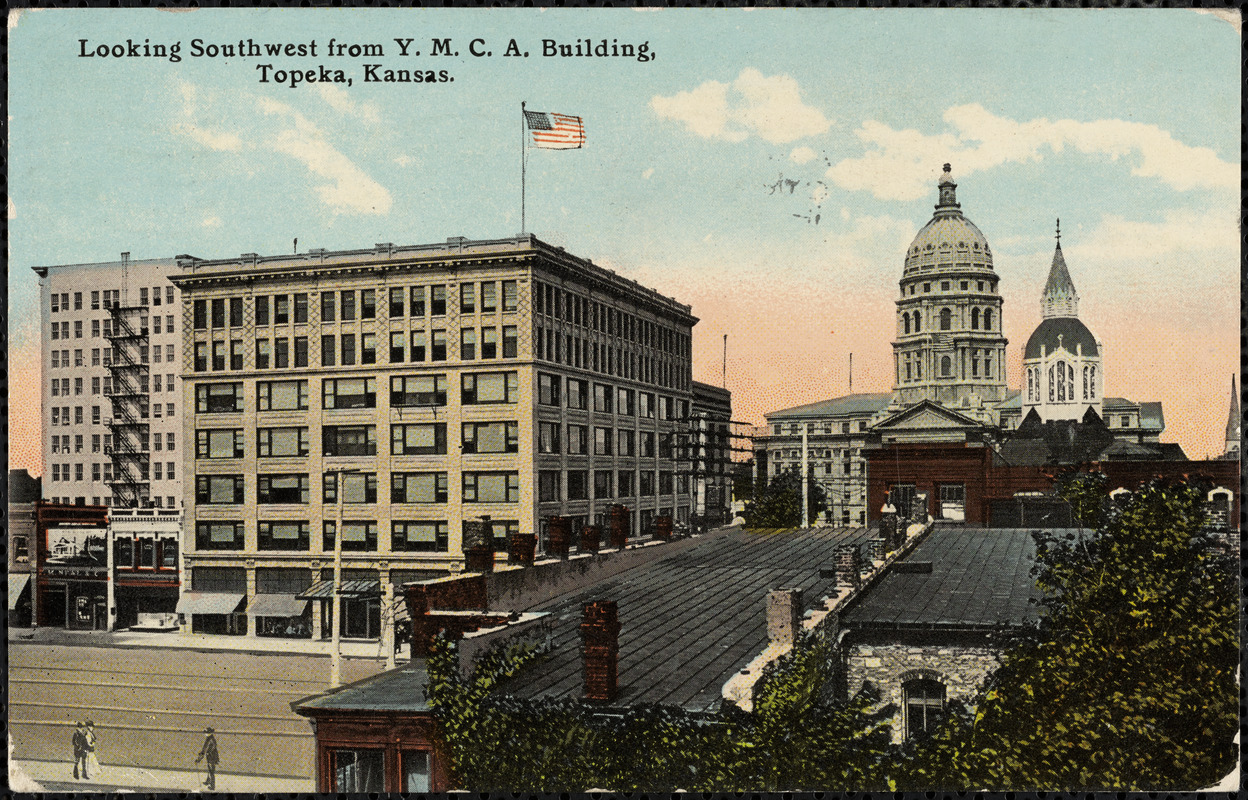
{"x": 555, "y": 131}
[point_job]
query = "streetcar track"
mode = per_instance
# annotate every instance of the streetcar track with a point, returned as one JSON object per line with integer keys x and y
{"x": 153, "y": 711}
{"x": 233, "y": 678}
{"x": 235, "y": 690}
{"x": 56, "y": 723}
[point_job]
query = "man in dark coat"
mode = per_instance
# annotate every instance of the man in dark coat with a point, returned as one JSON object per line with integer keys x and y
{"x": 80, "y": 751}
{"x": 208, "y": 754}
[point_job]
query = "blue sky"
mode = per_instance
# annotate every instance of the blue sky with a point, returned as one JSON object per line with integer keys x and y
{"x": 1123, "y": 123}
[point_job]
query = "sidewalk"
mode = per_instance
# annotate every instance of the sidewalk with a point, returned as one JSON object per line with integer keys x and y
{"x": 198, "y": 641}
{"x": 39, "y": 776}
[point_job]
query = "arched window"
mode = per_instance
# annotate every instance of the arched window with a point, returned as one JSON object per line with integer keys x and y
{"x": 924, "y": 700}
{"x": 1092, "y": 381}
{"x": 918, "y": 369}
{"x": 906, "y": 321}
{"x": 988, "y": 319}
{"x": 946, "y": 319}
{"x": 1031, "y": 385}
{"x": 1052, "y": 386}
{"x": 1085, "y": 382}
{"x": 946, "y": 366}
{"x": 1070, "y": 374}
{"x": 917, "y": 326}
{"x": 1061, "y": 382}
{"x": 974, "y": 319}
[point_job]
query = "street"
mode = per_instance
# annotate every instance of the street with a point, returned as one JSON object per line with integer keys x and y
{"x": 150, "y": 705}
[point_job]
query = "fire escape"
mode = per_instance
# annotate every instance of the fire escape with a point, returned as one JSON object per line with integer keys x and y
{"x": 129, "y": 426}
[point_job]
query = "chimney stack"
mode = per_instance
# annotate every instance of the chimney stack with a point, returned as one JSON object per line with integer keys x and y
{"x": 784, "y": 616}
{"x": 600, "y": 636}
{"x": 848, "y": 565}
{"x": 560, "y": 530}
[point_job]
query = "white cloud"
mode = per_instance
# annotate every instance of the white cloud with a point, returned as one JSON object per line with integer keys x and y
{"x": 646, "y": 175}
{"x": 344, "y": 187}
{"x": 753, "y": 104}
{"x": 899, "y": 164}
{"x": 1182, "y": 232}
{"x": 212, "y": 221}
{"x": 801, "y": 155}
{"x": 338, "y": 99}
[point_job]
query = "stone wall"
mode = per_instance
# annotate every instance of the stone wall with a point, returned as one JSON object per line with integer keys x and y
{"x": 961, "y": 668}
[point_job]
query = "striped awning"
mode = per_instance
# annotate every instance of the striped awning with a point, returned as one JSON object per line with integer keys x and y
{"x": 276, "y": 605}
{"x": 324, "y": 590}
{"x": 209, "y": 603}
{"x": 18, "y": 583}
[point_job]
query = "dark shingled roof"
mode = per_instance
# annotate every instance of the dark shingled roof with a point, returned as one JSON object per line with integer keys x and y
{"x": 869, "y": 403}
{"x": 980, "y": 577}
{"x": 1072, "y": 331}
{"x": 401, "y": 690}
{"x": 691, "y": 621}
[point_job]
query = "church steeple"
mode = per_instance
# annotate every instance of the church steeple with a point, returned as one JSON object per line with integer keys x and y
{"x": 1233, "y": 421}
{"x": 1060, "y": 298}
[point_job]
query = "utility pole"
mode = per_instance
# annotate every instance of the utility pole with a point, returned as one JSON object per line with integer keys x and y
{"x": 805, "y": 481}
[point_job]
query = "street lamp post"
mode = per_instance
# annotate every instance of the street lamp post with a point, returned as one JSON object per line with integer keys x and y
{"x": 335, "y": 652}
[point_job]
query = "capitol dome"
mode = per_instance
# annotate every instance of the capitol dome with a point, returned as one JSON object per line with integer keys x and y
{"x": 950, "y": 240}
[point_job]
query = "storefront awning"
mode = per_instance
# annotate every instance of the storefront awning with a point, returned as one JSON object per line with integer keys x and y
{"x": 276, "y": 605}
{"x": 18, "y": 584}
{"x": 324, "y": 590}
{"x": 209, "y": 603}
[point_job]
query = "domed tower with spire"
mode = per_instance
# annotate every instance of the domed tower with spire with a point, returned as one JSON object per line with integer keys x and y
{"x": 1062, "y": 377}
{"x": 949, "y": 346}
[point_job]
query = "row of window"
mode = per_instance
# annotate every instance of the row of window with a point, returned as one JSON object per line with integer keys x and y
{"x": 574, "y": 351}
{"x": 554, "y": 486}
{"x": 103, "y": 471}
{"x": 61, "y": 416}
{"x": 574, "y": 309}
{"x": 61, "y": 444}
{"x": 348, "y": 305}
{"x": 103, "y": 328}
{"x": 356, "y": 488}
{"x": 60, "y": 358}
{"x": 551, "y": 439}
{"x": 157, "y": 383}
{"x": 110, "y": 298}
{"x": 1062, "y": 386}
{"x": 912, "y": 365}
{"x": 157, "y": 501}
{"x": 795, "y": 428}
{"x": 913, "y": 321}
{"x": 357, "y": 536}
{"x": 145, "y": 553}
{"x": 406, "y": 391}
{"x": 573, "y": 393}
{"x": 412, "y": 439}
{"x": 965, "y": 286}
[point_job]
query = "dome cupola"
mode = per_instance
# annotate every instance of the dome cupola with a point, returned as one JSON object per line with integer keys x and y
{"x": 949, "y": 241}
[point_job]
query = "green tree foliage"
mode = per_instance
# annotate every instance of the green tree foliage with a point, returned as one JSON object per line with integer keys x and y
{"x": 777, "y": 502}
{"x": 1087, "y": 493}
{"x": 794, "y": 738}
{"x": 743, "y": 480}
{"x": 1128, "y": 683}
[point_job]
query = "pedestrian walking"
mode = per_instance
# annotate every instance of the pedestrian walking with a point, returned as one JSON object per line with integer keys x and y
{"x": 90, "y": 761}
{"x": 208, "y": 754}
{"x": 80, "y": 751}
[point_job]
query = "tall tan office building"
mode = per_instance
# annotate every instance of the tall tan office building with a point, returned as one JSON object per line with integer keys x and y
{"x": 388, "y": 395}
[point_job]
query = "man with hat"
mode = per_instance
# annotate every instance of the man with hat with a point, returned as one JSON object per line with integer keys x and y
{"x": 80, "y": 751}
{"x": 208, "y": 754}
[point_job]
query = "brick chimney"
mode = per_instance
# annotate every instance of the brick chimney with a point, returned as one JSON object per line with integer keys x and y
{"x": 522, "y": 548}
{"x": 600, "y": 637}
{"x": 591, "y": 539}
{"x": 848, "y": 565}
{"x": 784, "y": 616}
{"x": 478, "y": 552}
{"x": 619, "y": 526}
{"x": 560, "y": 530}
{"x": 663, "y": 528}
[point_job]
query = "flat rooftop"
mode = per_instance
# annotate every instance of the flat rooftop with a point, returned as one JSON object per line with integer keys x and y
{"x": 691, "y": 621}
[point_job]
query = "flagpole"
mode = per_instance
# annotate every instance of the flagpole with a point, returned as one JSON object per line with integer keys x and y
{"x": 522, "y": 176}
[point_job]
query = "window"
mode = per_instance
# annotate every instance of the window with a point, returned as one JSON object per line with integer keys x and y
{"x": 548, "y": 389}
{"x": 645, "y": 405}
{"x": 142, "y": 298}
{"x": 489, "y": 297}
{"x": 489, "y": 342}
{"x": 283, "y": 535}
{"x": 347, "y": 341}
{"x": 327, "y": 306}
{"x": 169, "y": 440}
{"x": 924, "y": 700}
{"x": 219, "y": 443}
{"x": 467, "y": 299}
{"x": 491, "y": 437}
{"x": 358, "y": 487}
{"x": 548, "y": 437}
{"x": 218, "y": 356}
{"x": 603, "y": 484}
{"x": 626, "y": 441}
{"x": 417, "y": 390}
{"x": 263, "y": 353}
{"x": 578, "y": 394}
{"x": 218, "y": 489}
{"x": 236, "y": 354}
{"x": 218, "y": 313}
{"x": 946, "y": 367}
{"x": 368, "y": 304}
{"x": 301, "y": 307}
{"x": 95, "y": 328}
{"x": 418, "y": 346}
{"x": 625, "y": 484}
{"x": 491, "y": 487}
{"x": 358, "y": 535}
{"x": 416, "y": 301}
{"x": 437, "y": 300}
{"x": 646, "y": 483}
{"x": 368, "y": 348}
{"x": 236, "y": 313}
{"x": 95, "y": 301}
{"x": 988, "y": 319}
{"x": 281, "y": 442}
{"x": 1061, "y": 382}
{"x": 349, "y": 440}
{"x": 489, "y": 387}
{"x": 437, "y": 350}
{"x": 339, "y": 393}
{"x": 281, "y": 395}
{"x": 281, "y": 488}
{"x": 281, "y": 353}
{"x": 974, "y": 319}
{"x": 217, "y": 536}
{"x": 602, "y": 398}
{"x": 328, "y": 351}
{"x": 398, "y": 340}
{"x": 578, "y": 440}
{"x": 578, "y": 484}
{"x": 602, "y": 441}
{"x": 396, "y": 302}
{"x": 418, "y": 487}
{"x": 510, "y": 296}
{"x": 262, "y": 310}
{"x": 418, "y": 439}
{"x": 409, "y": 536}
{"x": 201, "y": 357}
{"x": 624, "y": 401}
{"x": 511, "y": 341}
{"x": 348, "y": 305}
{"x": 548, "y": 486}
{"x": 301, "y": 351}
{"x": 946, "y": 319}
{"x": 468, "y": 344}
{"x": 647, "y": 444}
